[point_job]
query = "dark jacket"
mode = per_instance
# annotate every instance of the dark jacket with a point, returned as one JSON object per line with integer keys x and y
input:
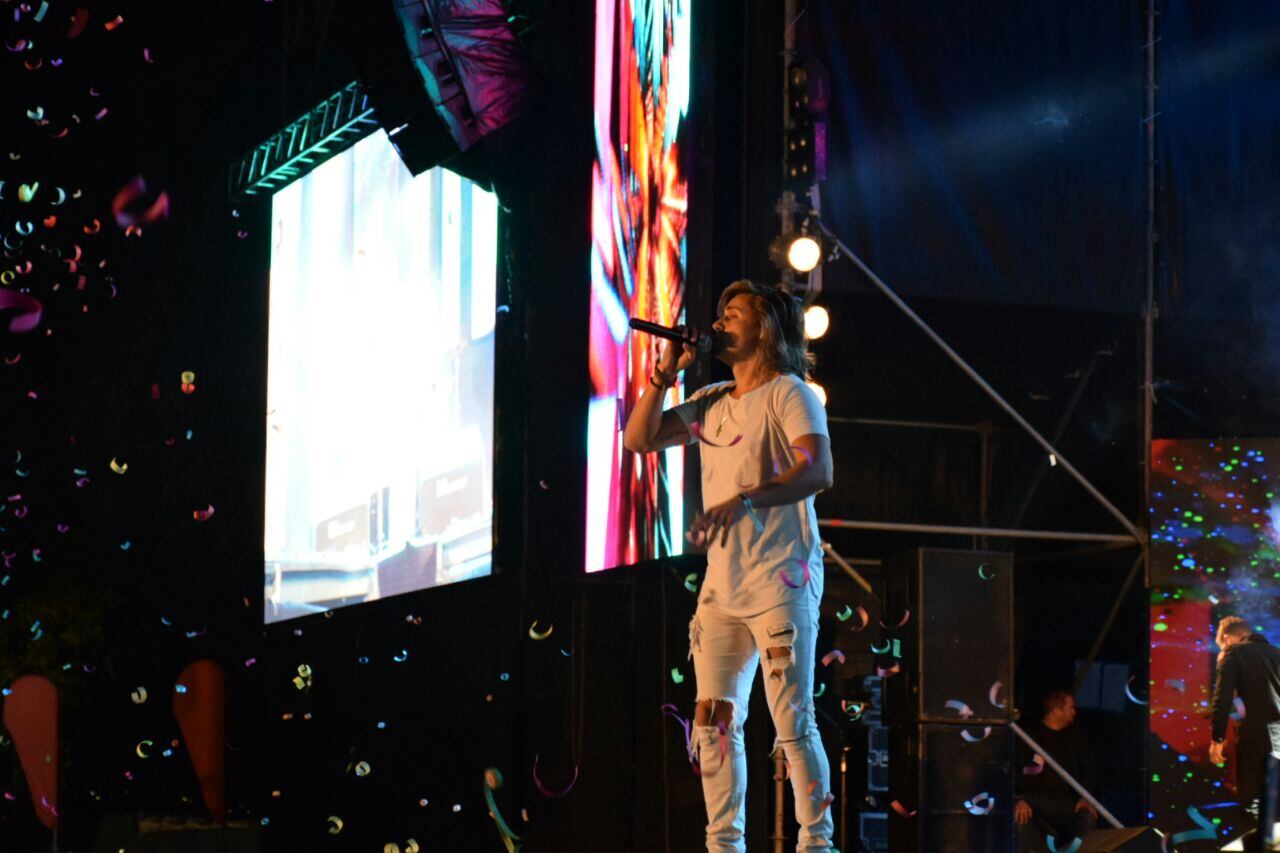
{"x": 1250, "y": 669}
{"x": 1070, "y": 748}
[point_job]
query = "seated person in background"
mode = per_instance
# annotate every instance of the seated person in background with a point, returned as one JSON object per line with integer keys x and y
{"x": 1046, "y": 804}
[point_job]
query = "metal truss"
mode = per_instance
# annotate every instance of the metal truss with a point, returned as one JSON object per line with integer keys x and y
{"x": 334, "y": 125}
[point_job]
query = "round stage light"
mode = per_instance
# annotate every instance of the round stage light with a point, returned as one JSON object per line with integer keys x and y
{"x": 804, "y": 253}
{"x": 819, "y": 390}
{"x": 816, "y": 322}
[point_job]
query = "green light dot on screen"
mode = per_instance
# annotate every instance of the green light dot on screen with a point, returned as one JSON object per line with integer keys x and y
{"x": 1187, "y": 514}
{"x": 1177, "y": 467}
{"x": 1217, "y": 821}
{"x": 1235, "y": 449}
{"x": 1198, "y": 518}
{"x": 1160, "y": 626}
{"x": 1155, "y": 777}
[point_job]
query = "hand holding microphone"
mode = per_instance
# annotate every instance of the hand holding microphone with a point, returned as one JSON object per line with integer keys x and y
{"x": 683, "y": 346}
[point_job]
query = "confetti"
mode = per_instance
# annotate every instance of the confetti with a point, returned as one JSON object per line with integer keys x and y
{"x": 972, "y": 738}
{"x": 27, "y": 311}
{"x": 986, "y": 572}
{"x": 960, "y": 708}
{"x": 834, "y": 654}
{"x": 853, "y": 710}
{"x": 676, "y": 675}
{"x": 1070, "y": 848}
{"x": 782, "y": 574}
{"x": 203, "y": 514}
{"x": 1128, "y": 691}
{"x": 143, "y": 747}
{"x": 128, "y": 195}
{"x": 335, "y": 824}
{"x": 993, "y": 695}
{"x": 901, "y": 809}
{"x": 903, "y": 621}
{"x": 534, "y": 634}
{"x": 1206, "y": 832}
{"x": 691, "y": 582}
{"x": 118, "y": 467}
{"x": 696, "y": 429}
{"x": 139, "y": 696}
{"x": 982, "y": 804}
{"x": 542, "y": 789}
{"x": 363, "y": 769}
{"x": 493, "y": 781}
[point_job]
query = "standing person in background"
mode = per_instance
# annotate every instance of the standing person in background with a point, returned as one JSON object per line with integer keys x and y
{"x": 765, "y": 453}
{"x": 1248, "y": 667}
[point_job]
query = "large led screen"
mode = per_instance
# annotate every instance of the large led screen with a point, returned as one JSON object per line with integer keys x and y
{"x": 379, "y": 475}
{"x": 1215, "y": 552}
{"x": 638, "y": 220}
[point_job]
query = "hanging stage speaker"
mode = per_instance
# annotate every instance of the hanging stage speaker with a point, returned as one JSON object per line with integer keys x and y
{"x": 956, "y": 644}
{"x": 1140, "y": 839}
{"x": 959, "y": 782}
{"x": 443, "y": 75}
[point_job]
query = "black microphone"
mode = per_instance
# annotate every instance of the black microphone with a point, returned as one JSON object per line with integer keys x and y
{"x": 703, "y": 342}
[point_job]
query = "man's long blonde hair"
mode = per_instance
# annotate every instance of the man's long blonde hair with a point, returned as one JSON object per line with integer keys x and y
{"x": 780, "y": 315}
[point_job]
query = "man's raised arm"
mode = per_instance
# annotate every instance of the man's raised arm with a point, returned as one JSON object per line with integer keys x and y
{"x": 649, "y": 428}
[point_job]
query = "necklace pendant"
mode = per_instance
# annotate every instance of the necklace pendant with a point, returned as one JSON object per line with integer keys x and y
{"x": 719, "y": 428}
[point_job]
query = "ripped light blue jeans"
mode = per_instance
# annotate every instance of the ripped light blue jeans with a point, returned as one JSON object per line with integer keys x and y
{"x": 725, "y": 651}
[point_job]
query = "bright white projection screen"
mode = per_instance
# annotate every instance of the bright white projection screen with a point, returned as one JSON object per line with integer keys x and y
{"x": 379, "y": 471}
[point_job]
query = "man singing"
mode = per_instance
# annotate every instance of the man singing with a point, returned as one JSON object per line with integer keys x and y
{"x": 765, "y": 453}
{"x": 1249, "y": 667}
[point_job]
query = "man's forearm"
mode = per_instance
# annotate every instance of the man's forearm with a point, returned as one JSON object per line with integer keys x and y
{"x": 645, "y": 419}
{"x": 791, "y": 486}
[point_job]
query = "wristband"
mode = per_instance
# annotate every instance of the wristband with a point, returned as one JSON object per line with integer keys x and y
{"x": 664, "y": 381}
{"x": 751, "y": 511}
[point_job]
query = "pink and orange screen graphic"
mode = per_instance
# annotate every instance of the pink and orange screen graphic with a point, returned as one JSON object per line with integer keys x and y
{"x": 638, "y": 222}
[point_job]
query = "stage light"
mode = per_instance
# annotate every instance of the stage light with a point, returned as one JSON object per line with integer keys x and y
{"x": 816, "y": 322}
{"x": 819, "y": 390}
{"x": 800, "y": 252}
{"x": 804, "y": 253}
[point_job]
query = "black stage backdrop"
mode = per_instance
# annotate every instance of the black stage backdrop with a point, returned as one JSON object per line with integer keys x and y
{"x": 987, "y": 159}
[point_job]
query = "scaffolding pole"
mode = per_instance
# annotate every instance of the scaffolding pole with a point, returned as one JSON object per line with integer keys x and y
{"x": 982, "y": 383}
{"x": 995, "y": 532}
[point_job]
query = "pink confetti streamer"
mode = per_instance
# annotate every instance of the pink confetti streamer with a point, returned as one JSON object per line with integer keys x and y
{"x": 782, "y": 574}
{"x": 542, "y": 789}
{"x": 905, "y": 616}
{"x": 696, "y": 429}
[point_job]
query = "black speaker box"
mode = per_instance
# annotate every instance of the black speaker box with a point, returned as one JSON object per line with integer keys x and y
{"x": 957, "y": 644}
{"x": 1136, "y": 839}
{"x": 959, "y": 781}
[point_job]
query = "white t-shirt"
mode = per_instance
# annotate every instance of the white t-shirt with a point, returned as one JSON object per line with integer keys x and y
{"x": 744, "y": 577}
